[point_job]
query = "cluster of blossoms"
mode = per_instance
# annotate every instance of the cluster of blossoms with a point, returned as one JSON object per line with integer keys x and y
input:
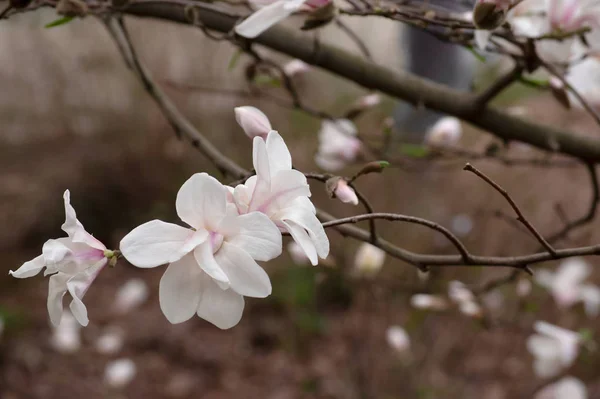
{"x": 213, "y": 262}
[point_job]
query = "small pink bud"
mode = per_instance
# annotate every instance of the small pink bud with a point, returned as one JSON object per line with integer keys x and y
{"x": 296, "y": 67}
{"x": 446, "y": 131}
{"x": 345, "y": 193}
{"x": 253, "y": 121}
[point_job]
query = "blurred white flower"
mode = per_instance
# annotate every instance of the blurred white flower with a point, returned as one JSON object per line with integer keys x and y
{"x": 464, "y": 298}
{"x": 368, "y": 101}
{"x": 471, "y": 309}
{"x": 297, "y": 254}
{"x": 131, "y": 295}
{"x": 553, "y": 349}
{"x": 461, "y": 225}
{"x": 565, "y": 388}
{"x": 119, "y": 373}
{"x": 567, "y": 285}
{"x": 584, "y": 77}
{"x": 253, "y": 121}
{"x": 66, "y": 337}
{"x": 345, "y": 193}
{"x": 74, "y": 262}
{"x": 111, "y": 341}
{"x": 369, "y": 260}
{"x": 523, "y": 287}
{"x": 338, "y": 144}
{"x": 398, "y": 339}
{"x": 428, "y": 302}
{"x": 445, "y": 132}
{"x": 296, "y": 68}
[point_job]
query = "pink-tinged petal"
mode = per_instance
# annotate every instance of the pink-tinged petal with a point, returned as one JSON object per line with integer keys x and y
{"x": 245, "y": 275}
{"x": 311, "y": 224}
{"x": 29, "y": 269}
{"x": 266, "y": 17}
{"x": 260, "y": 161}
{"x": 202, "y": 201}
{"x": 254, "y": 233}
{"x": 78, "y": 286}
{"x": 253, "y": 121}
{"x": 205, "y": 258}
{"x": 180, "y": 289}
{"x": 279, "y": 155}
{"x": 223, "y": 308}
{"x": 302, "y": 238}
{"x": 156, "y": 243}
{"x": 57, "y": 288}
{"x": 286, "y": 186}
{"x": 75, "y": 229}
{"x": 345, "y": 193}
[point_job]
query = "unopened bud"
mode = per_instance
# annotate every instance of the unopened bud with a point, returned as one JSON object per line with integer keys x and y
{"x": 324, "y": 12}
{"x": 446, "y": 131}
{"x": 428, "y": 302}
{"x": 253, "y": 121}
{"x": 343, "y": 191}
{"x": 398, "y": 339}
{"x": 487, "y": 15}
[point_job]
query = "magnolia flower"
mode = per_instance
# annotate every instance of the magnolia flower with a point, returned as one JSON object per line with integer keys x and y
{"x": 74, "y": 262}
{"x": 281, "y": 193}
{"x": 565, "y": 388}
{"x": 66, "y": 336}
{"x": 345, "y": 193}
{"x": 398, "y": 339}
{"x": 119, "y": 373}
{"x": 553, "y": 348}
{"x": 567, "y": 285}
{"x": 296, "y": 68}
{"x": 523, "y": 287}
{"x": 131, "y": 295}
{"x": 584, "y": 77}
{"x": 111, "y": 341}
{"x": 464, "y": 298}
{"x": 369, "y": 259}
{"x": 272, "y": 14}
{"x": 446, "y": 131}
{"x": 211, "y": 265}
{"x": 338, "y": 144}
{"x": 253, "y": 121}
{"x": 428, "y": 302}
{"x": 297, "y": 253}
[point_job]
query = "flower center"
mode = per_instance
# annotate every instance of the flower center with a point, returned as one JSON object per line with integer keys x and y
{"x": 216, "y": 240}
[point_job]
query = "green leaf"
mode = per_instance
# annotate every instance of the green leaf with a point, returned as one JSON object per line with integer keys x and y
{"x": 234, "y": 60}
{"x": 413, "y": 150}
{"x": 59, "y": 22}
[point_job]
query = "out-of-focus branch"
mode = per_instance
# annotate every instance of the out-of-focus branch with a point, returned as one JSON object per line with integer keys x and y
{"x": 499, "y": 85}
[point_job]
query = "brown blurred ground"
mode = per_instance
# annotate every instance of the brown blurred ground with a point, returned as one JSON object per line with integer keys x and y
{"x": 74, "y": 118}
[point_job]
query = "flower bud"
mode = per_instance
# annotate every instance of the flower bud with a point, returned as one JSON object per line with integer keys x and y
{"x": 253, "y": 121}
{"x": 487, "y": 15}
{"x": 398, "y": 339}
{"x": 369, "y": 260}
{"x": 428, "y": 302}
{"x": 446, "y": 131}
{"x": 344, "y": 192}
{"x": 296, "y": 68}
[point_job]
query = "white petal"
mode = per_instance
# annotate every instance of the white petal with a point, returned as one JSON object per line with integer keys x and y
{"x": 313, "y": 227}
{"x": 590, "y": 295}
{"x": 78, "y": 285}
{"x": 279, "y": 155}
{"x": 256, "y": 234}
{"x": 57, "y": 288}
{"x": 565, "y": 388}
{"x": 253, "y": 121}
{"x": 55, "y": 252}
{"x": 245, "y": 275}
{"x": 180, "y": 289}
{"x": 29, "y": 269}
{"x": 303, "y": 240}
{"x": 204, "y": 256}
{"x": 202, "y": 201}
{"x": 223, "y": 308}
{"x": 482, "y": 37}
{"x": 155, "y": 243}
{"x": 544, "y": 368}
{"x": 75, "y": 229}
{"x": 264, "y": 18}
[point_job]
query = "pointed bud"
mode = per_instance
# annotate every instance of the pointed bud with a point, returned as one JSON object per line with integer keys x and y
{"x": 253, "y": 121}
{"x": 344, "y": 192}
{"x": 487, "y": 15}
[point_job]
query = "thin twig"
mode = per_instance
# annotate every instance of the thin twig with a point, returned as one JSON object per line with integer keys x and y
{"x": 354, "y": 37}
{"x": 470, "y": 168}
{"x": 499, "y": 85}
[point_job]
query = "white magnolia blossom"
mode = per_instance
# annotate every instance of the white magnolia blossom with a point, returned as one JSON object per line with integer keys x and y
{"x": 464, "y": 298}
{"x": 111, "y": 341}
{"x": 565, "y": 388}
{"x": 428, "y": 302}
{"x": 368, "y": 260}
{"x": 281, "y": 193}
{"x": 445, "y": 132}
{"x": 212, "y": 265}
{"x": 253, "y": 121}
{"x": 523, "y": 287}
{"x": 66, "y": 336}
{"x": 398, "y": 339}
{"x": 338, "y": 144}
{"x": 74, "y": 262}
{"x": 584, "y": 77}
{"x": 553, "y": 349}
{"x": 271, "y": 13}
{"x": 567, "y": 285}
{"x": 131, "y": 295}
{"x": 297, "y": 254}
{"x": 119, "y": 373}
{"x": 345, "y": 193}
{"x": 296, "y": 68}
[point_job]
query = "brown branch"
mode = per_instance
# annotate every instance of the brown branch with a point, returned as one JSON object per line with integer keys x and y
{"x": 354, "y": 37}
{"x": 520, "y": 217}
{"x": 499, "y": 85}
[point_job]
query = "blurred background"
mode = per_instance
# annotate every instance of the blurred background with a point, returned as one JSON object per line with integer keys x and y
{"x": 72, "y": 116}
